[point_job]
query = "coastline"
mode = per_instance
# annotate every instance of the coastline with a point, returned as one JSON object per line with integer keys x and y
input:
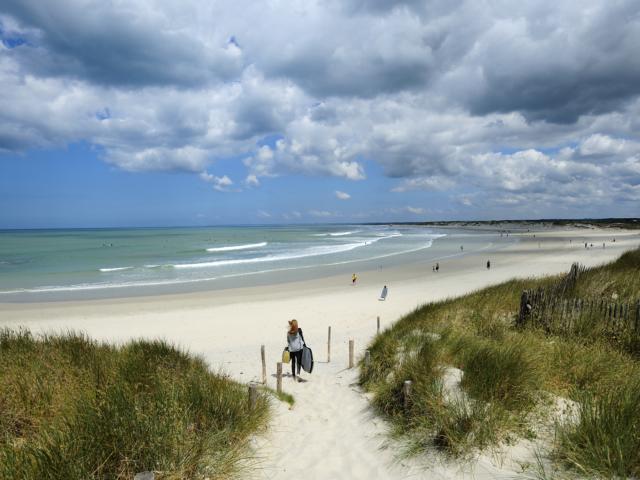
{"x": 263, "y": 309}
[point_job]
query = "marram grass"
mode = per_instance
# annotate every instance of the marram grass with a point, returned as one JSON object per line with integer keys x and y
{"x": 74, "y": 408}
{"x": 511, "y": 377}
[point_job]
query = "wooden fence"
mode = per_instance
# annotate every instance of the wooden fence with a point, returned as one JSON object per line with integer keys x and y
{"x": 539, "y": 308}
{"x": 553, "y": 310}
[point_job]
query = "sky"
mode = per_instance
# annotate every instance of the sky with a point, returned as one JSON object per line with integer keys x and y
{"x": 198, "y": 112}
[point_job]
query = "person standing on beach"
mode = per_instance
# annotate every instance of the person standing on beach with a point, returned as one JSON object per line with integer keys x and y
{"x": 383, "y": 294}
{"x": 488, "y": 264}
{"x": 437, "y": 267}
{"x": 354, "y": 279}
{"x": 295, "y": 340}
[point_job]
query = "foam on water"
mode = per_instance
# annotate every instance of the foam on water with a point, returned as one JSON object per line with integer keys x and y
{"x": 115, "y": 269}
{"x": 335, "y": 234}
{"x": 303, "y": 253}
{"x": 231, "y": 248}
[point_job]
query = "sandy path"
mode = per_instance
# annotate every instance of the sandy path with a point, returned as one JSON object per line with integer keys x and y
{"x": 330, "y": 431}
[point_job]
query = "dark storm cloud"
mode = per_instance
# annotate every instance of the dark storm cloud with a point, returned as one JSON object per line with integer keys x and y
{"x": 111, "y": 46}
{"x": 557, "y": 64}
{"x": 352, "y": 57}
{"x": 423, "y": 7}
{"x": 354, "y": 75}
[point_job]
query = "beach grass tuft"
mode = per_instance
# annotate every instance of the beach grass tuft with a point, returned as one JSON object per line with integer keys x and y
{"x": 71, "y": 407}
{"x": 605, "y": 438}
{"x": 478, "y": 381}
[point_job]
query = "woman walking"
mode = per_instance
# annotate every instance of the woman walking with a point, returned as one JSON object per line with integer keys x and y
{"x": 295, "y": 340}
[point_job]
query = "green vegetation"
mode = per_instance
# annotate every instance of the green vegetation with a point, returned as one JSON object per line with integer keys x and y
{"x": 621, "y": 223}
{"x": 282, "y": 396}
{"x": 74, "y": 408}
{"x": 515, "y": 380}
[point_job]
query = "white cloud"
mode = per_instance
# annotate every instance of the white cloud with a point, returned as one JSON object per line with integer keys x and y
{"x": 425, "y": 183}
{"x": 342, "y": 195}
{"x": 264, "y": 214}
{"x": 221, "y": 184}
{"x": 321, "y": 213}
{"x": 599, "y": 144}
{"x": 416, "y": 210}
{"x": 294, "y": 215}
{"x": 252, "y": 181}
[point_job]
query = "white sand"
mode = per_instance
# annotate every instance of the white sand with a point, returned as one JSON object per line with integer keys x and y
{"x": 331, "y": 432}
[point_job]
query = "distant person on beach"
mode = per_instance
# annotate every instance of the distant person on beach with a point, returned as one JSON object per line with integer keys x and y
{"x": 461, "y": 248}
{"x": 437, "y": 267}
{"x": 488, "y": 264}
{"x": 354, "y": 279}
{"x": 295, "y": 341}
{"x": 383, "y": 295}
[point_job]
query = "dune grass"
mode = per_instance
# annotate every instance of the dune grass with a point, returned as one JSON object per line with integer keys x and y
{"x": 73, "y": 408}
{"x": 512, "y": 377}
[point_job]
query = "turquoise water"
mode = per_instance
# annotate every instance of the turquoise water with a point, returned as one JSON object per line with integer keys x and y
{"x": 45, "y": 264}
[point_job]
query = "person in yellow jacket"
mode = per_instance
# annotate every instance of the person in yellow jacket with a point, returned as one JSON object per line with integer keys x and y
{"x": 354, "y": 279}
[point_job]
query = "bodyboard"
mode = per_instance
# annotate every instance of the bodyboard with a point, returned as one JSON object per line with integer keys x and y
{"x": 307, "y": 359}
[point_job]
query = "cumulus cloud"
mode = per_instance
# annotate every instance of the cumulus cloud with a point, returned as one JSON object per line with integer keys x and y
{"x": 252, "y": 181}
{"x": 294, "y": 215}
{"x": 534, "y": 103}
{"x": 425, "y": 183}
{"x": 321, "y": 213}
{"x": 221, "y": 184}
{"x": 342, "y": 195}
{"x": 416, "y": 210}
{"x": 306, "y": 154}
{"x": 134, "y": 46}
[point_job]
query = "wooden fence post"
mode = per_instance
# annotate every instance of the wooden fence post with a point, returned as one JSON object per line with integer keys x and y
{"x": 253, "y": 396}
{"x": 279, "y": 377}
{"x": 406, "y": 390}
{"x": 329, "y": 346}
{"x": 351, "y": 353}
{"x": 581, "y": 308}
{"x": 524, "y": 301}
{"x": 367, "y": 359}
{"x": 264, "y": 365}
{"x": 378, "y": 329}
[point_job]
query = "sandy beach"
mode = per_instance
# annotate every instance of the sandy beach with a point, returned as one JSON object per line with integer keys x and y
{"x": 331, "y": 423}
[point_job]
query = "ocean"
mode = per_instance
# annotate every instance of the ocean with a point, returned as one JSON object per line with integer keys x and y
{"x": 43, "y": 265}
